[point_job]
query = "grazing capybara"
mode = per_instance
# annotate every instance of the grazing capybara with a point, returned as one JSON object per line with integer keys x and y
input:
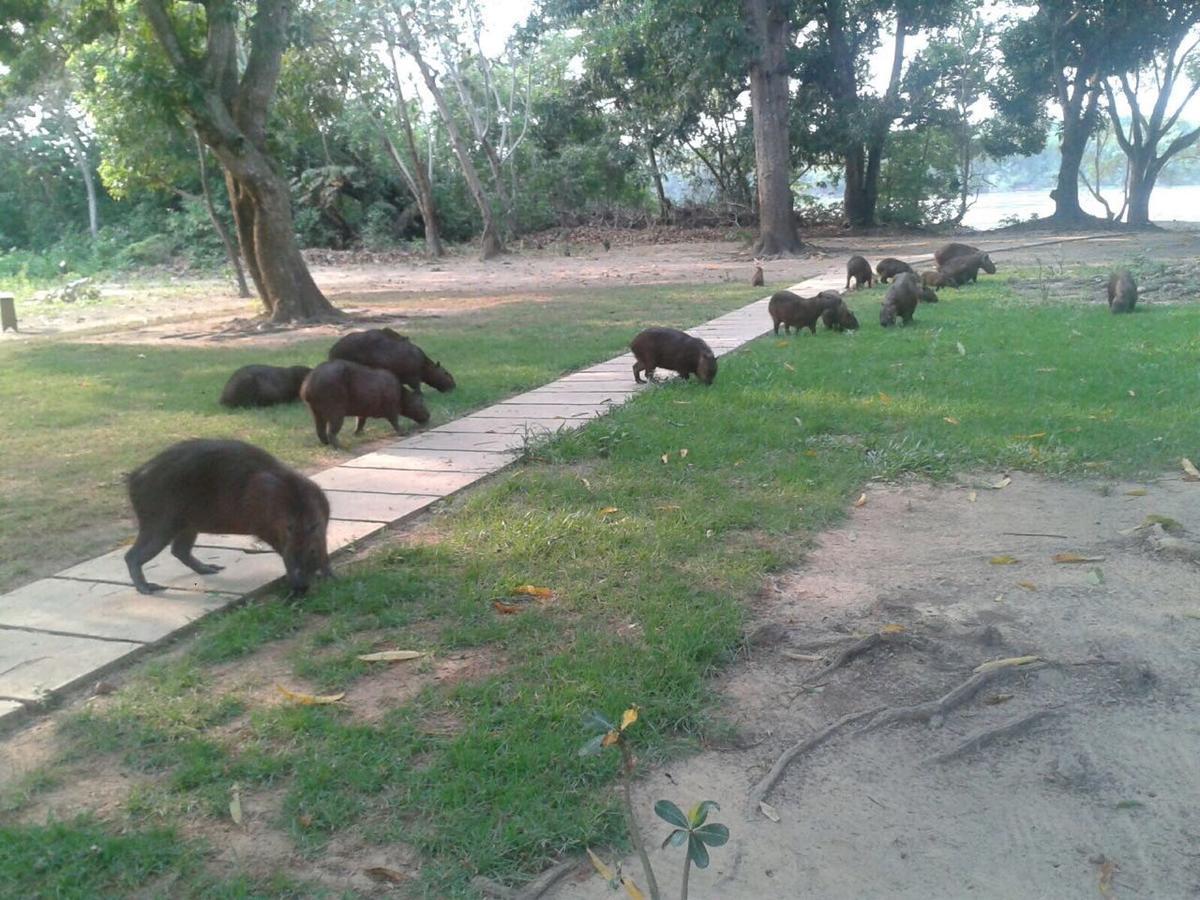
{"x": 793, "y": 311}
{"x": 669, "y": 348}
{"x": 947, "y": 252}
{"x": 934, "y": 279}
{"x": 928, "y": 294}
{"x": 860, "y": 270}
{"x": 901, "y": 300}
{"x": 1122, "y": 291}
{"x": 264, "y": 385}
{"x": 890, "y": 268}
{"x": 383, "y": 348}
{"x": 961, "y": 269}
{"x": 340, "y": 388}
{"x": 226, "y": 487}
{"x": 839, "y": 318}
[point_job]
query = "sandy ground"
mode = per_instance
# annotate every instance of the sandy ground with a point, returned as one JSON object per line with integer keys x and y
{"x": 1098, "y": 797}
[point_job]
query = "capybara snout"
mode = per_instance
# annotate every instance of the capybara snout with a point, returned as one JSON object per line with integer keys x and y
{"x": 669, "y": 348}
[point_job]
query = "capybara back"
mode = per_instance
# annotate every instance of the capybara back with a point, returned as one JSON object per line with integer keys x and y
{"x": 961, "y": 269}
{"x": 890, "y": 268}
{"x": 340, "y": 388}
{"x": 669, "y": 348}
{"x": 949, "y": 251}
{"x": 264, "y": 385}
{"x": 383, "y": 348}
{"x": 859, "y": 269}
{"x": 901, "y": 300}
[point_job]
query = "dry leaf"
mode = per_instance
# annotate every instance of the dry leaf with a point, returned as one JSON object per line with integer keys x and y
{"x": 1005, "y": 663}
{"x": 962, "y": 351}
{"x": 861, "y": 501}
{"x": 1004, "y": 560}
{"x": 601, "y": 867}
{"x": 1137, "y": 492}
{"x": 812, "y": 453}
{"x": 664, "y": 458}
{"x": 629, "y": 717}
{"x": 506, "y": 609}
{"x": 530, "y": 590}
{"x": 667, "y": 506}
{"x": 802, "y": 657}
{"x": 789, "y": 367}
{"x": 971, "y": 497}
{"x": 587, "y": 484}
{"x": 384, "y": 875}
{"x": 950, "y": 420}
{"x": 892, "y": 629}
{"x": 885, "y": 399}
{"x": 610, "y": 738}
{"x": 1028, "y": 585}
{"x": 683, "y": 453}
{"x": 631, "y": 888}
{"x": 997, "y": 699}
{"x": 1108, "y": 869}
{"x": 768, "y": 810}
{"x": 1075, "y": 558}
{"x": 781, "y": 343}
{"x": 1047, "y": 369}
{"x": 391, "y": 656}
{"x": 309, "y": 699}
{"x": 1002, "y": 483}
{"x": 235, "y": 805}
{"x": 1191, "y": 473}
{"x": 1133, "y": 393}
{"x": 609, "y": 510}
{"x": 1029, "y": 437}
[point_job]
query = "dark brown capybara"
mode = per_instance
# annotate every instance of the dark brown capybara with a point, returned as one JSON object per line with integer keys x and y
{"x": 383, "y": 348}
{"x": 901, "y": 300}
{"x": 890, "y": 268}
{"x": 756, "y": 280}
{"x": 226, "y": 487}
{"x": 839, "y": 318}
{"x": 340, "y": 388}
{"x": 859, "y": 269}
{"x": 264, "y": 385}
{"x": 931, "y": 278}
{"x": 793, "y": 311}
{"x": 1122, "y": 291}
{"x": 669, "y": 348}
{"x": 947, "y": 252}
{"x": 961, "y": 269}
{"x": 928, "y": 294}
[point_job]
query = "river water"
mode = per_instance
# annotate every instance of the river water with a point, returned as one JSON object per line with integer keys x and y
{"x": 1179, "y": 203}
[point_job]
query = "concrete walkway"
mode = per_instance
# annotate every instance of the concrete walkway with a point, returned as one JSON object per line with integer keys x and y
{"x": 65, "y": 630}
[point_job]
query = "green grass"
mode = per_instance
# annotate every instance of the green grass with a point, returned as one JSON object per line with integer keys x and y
{"x": 649, "y": 600}
{"x": 80, "y": 415}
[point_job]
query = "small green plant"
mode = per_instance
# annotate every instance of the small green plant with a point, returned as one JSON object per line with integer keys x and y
{"x": 693, "y": 830}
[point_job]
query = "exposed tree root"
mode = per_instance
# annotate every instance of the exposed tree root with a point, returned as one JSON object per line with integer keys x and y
{"x": 983, "y": 738}
{"x": 530, "y": 891}
{"x": 855, "y": 650}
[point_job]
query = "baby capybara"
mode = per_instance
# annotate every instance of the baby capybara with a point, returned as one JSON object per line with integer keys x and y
{"x": 340, "y": 388}
{"x": 383, "y": 348}
{"x": 1122, "y": 291}
{"x": 860, "y": 270}
{"x": 947, "y": 252}
{"x": 671, "y": 349}
{"x": 264, "y": 385}
{"x": 901, "y": 300}
{"x": 934, "y": 279}
{"x": 226, "y": 487}
{"x": 839, "y": 318}
{"x": 890, "y": 268}
{"x": 961, "y": 269}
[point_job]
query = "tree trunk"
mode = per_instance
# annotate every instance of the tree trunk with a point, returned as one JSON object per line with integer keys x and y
{"x": 231, "y": 251}
{"x": 89, "y": 180}
{"x": 860, "y": 213}
{"x": 419, "y": 180}
{"x": 1066, "y": 190}
{"x": 1141, "y": 185}
{"x": 664, "y": 205}
{"x": 769, "y": 23}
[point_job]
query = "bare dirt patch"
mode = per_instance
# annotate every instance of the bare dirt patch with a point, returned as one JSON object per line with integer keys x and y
{"x": 1079, "y": 767}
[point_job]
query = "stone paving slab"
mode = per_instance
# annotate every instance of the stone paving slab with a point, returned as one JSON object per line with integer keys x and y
{"x": 467, "y": 441}
{"x": 10, "y": 709}
{"x": 565, "y": 411}
{"x": 243, "y": 572}
{"x": 501, "y": 425}
{"x": 394, "y": 481}
{"x": 573, "y": 385}
{"x": 33, "y": 664}
{"x": 338, "y": 535}
{"x": 98, "y": 609}
{"x": 589, "y": 398}
{"x": 424, "y": 460}
{"x": 376, "y": 508}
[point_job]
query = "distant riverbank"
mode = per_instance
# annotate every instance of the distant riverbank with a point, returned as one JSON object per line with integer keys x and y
{"x": 995, "y": 209}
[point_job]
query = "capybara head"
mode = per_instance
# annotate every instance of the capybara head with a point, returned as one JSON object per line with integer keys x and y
{"x": 434, "y": 375}
{"x": 887, "y": 315}
{"x": 706, "y": 366}
{"x": 985, "y": 263}
{"x": 304, "y": 551}
{"x": 846, "y": 320}
{"x": 412, "y": 405}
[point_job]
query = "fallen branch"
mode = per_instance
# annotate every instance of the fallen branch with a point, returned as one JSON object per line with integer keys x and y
{"x": 530, "y": 891}
{"x": 982, "y": 738}
{"x": 760, "y": 790}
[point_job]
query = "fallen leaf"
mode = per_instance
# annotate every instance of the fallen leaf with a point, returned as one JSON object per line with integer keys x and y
{"x": 587, "y": 484}
{"x": 962, "y": 351}
{"x": 1167, "y": 523}
{"x": 1108, "y": 869}
{"x": 629, "y": 717}
{"x": 235, "y": 805}
{"x": 798, "y": 422}
{"x": 885, "y": 399}
{"x": 609, "y": 510}
{"x": 861, "y": 501}
{"x": 1029, "y": 437}
{"x": 664, "y": 458}
{"x": 391, "y": 656}
{"x": 1075, "y": 558}
{"x": 1005, "y": 663}
{"x": 601, "y": 867}
{"x": 997, "y": 699}
{"x": 1048, "y": 369}
{"x": 304, "y": 820}
{"x": 892, "y": 629}
{"x": 810, "y": 453}
{"x": 1191, "y": 473}
{"x": 668, "y": 506}
{"x": 631, "y": 888}
{"x": 610, "y": 738}
{"x": 1028, "y": 585}
{"x": 768, "y": 810}
{"x": 1132, "y": 393}
{"x": 309, "y": 699}
{"x": 1137, "y": 492}
{"x": 506, "y": 609}
{"x": 1002, "y": 483}
{"x": 789, "y": 367}
{"x": 683, "y": 453}
{"x": 529, "y": 590}
{"x": 1004, "y": 560}
{"x": 809, "y": 657}
{"x": 682, "y": 402}
{"x": 1095, "y": 576}
{"x": 384, "y": 875}
{"x": 951, "y": 420}
{"x": 971, "y": 497}
{"x": 781, "y": 343}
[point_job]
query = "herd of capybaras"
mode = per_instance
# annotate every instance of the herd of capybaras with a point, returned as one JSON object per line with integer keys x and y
{"x": 230, "y": 487}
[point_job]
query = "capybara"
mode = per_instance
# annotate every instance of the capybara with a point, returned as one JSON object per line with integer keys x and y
{"x": 1122, "y": 291}
{"x": 340, "y": 388}
{"x": 793, "y": 311}
{"x": 226, "y": 487}
{"x": 671, "y": 349}
{"x": 890, "y": 268}
{"x": 947, "y": 252}
{"x": 901, "y": 300}
{"x": 383, "y": 348}
{"x": 756, "y": 280}
{"x": 839, "y": 318}
{"x": 932, "y": 278}
{"x": 928, "y": 294}
{"x": 264, "y": 385}
{"x": 860, "y": 270}
{"x": 961, "y": 269}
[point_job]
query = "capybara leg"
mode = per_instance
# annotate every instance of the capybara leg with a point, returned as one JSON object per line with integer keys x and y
{"x": 813, "y": 327}
{"x": 362, "y": 423}
{"x": 181, "y": 547}
{"x": 149, "y": 543}
{"x": 335, "y": 425}
{"x": 650, "y": 374}
{"x": 394, "y": 421}
{"x": 637, "y": 373}
{"x": 777, "y": 326}
{"x": 319, "y": 421}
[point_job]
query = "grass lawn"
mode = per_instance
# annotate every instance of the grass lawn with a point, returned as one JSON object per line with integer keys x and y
{"x": 481, "y": 775}
{"x": 79, "y": 416}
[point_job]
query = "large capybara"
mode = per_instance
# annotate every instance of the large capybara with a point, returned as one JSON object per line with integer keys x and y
{"x": 1122, "y": 291}
{"x": 901, "y": 300}
{"x": 340, "y": 388}
{"x": 961, "y": 269}
{"x": 947, "y": 252}
{"x": 931, "y": 278}
{"x": 264, "y": 385}
{"x": 839, "y": 317}
{"x": 793, "y": 311}
{"x": 226, "y": 487}
{"x": 860, "y": 270}
{"x": 383, "y": 348}
{"x": 890, "y": 268}
{"x": 669, "y": 348}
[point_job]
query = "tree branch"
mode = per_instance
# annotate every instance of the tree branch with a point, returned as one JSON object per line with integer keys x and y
{"x": 156, "y": 14}
{"x": 268, "y": 38}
